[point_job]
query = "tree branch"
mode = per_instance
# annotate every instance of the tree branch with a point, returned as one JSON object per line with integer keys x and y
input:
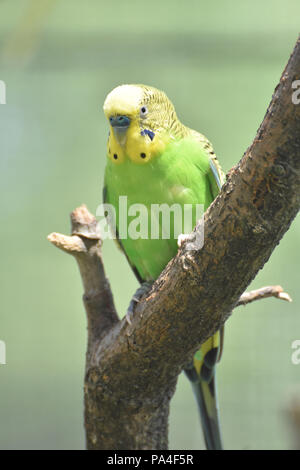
{"x": 263, "y": 293}
{"x": 85, "y": 246}
{"x": 132, "y": 370}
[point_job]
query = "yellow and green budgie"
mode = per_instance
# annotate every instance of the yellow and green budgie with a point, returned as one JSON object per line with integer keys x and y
{"x": 152, "y": 158}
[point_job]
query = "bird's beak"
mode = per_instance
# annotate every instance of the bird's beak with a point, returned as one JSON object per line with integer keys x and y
{"x": 120, "y": 125}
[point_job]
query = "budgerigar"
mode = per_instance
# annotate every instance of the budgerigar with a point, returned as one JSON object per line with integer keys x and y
{"x": 152, "y": 158}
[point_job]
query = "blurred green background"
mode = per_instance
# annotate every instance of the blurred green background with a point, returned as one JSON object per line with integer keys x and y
{"x": 219, "y": 63}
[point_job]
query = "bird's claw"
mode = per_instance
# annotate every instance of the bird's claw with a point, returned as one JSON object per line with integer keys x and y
{"x": 185, "y": 237}
{"x": 143, "y": 289}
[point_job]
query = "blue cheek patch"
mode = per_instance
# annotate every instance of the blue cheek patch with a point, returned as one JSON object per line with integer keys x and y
{"x": 150, "y": 134}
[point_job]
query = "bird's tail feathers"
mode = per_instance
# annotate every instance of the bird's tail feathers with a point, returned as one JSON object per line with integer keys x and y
{"x": 202, "y": 374}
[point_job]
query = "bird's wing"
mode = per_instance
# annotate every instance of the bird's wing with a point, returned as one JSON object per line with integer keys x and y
{"x": 216, "y": 176}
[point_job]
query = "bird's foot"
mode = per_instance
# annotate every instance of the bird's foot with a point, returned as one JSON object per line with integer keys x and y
{"x": 184, "y": 238}
{"x": 143, "y": 289}
{"x": 192, "y": 241}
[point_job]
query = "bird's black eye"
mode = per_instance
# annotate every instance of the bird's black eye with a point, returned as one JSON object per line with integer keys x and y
{"x": 143, "y": 111}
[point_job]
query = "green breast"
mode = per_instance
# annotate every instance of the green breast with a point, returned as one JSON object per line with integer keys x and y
{"x": 180, "y": 175}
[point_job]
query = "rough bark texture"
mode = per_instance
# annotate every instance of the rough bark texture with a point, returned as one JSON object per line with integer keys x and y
{"x": 132, "y": 370}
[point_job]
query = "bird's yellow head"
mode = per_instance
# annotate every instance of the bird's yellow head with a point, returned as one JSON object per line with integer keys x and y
{"x": 142, "y": 120}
